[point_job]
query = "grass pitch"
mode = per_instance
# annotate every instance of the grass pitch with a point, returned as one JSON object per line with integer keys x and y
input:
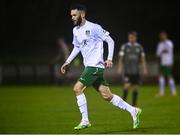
{"x": 53, "y": 109}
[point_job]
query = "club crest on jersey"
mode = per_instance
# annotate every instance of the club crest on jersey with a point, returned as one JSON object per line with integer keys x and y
{"x": 87, "y": 32}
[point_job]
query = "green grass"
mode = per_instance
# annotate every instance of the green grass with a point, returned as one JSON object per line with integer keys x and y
{"x": 53, "y": 109}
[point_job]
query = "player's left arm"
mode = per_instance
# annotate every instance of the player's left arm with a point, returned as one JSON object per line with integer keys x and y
{"x": 143, "y": 62}
{"x": 110, "y": 43}
{"x": 104, "y": 35}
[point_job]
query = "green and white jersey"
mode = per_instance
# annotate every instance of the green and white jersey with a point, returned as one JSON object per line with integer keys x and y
{"x": 88, "y": 39}
{"x": 165, "y": 52}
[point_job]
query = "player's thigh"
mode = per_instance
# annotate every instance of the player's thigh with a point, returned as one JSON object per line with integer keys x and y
{"x": 79, "y": 87}
{"x": 89, "y": 76}
{"x": 135, "y": 87}
{"x": 100, "y": 81}
{"x": 127, "y": 85}
{"x": 169, "y": 72}
{"x": 166, "y": 71}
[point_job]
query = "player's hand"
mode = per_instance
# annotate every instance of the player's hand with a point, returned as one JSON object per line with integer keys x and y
{"x": 64, "y": 67}
{"x": 108, "y": 63}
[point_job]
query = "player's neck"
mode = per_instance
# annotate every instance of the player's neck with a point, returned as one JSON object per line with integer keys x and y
{"x": 165, "y": 40}
{"x": 83, "y": 22}
{"x": 132, "y": 43}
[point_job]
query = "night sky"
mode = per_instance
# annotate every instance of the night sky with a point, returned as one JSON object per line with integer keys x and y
{"x": 31, "y": 27}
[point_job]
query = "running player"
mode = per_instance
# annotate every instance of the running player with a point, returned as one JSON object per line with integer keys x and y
{"x": 88, "y": 39}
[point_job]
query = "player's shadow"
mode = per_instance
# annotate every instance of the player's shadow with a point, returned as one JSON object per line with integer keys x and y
{"x": 139, "y": 130}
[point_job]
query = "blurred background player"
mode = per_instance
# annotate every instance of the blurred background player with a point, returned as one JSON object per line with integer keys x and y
{"x": 63, "y": 51}
{"x": 61, "y": 56}
{"x": 165, "y": 53}
{"x": 131, "y": 56}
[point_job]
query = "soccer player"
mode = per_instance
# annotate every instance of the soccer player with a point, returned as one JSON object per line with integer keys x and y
{"x": 131, "y": 56}
{"x": 165, "y": 53}
{"x": 88, "y": 39}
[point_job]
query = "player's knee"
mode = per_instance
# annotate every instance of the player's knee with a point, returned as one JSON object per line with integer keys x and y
{"x": 77, "y": 89}
{"x": 170, "y": 77}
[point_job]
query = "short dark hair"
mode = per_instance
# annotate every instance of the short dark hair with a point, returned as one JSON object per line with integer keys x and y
{"x": 134, "y": 33}
{"x": 78, "y": 7}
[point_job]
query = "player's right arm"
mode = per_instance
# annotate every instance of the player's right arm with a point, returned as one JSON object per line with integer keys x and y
{"x": 120, "y": 62}
{"x": 73, "y": 54}
{"x": 158, "y": 52}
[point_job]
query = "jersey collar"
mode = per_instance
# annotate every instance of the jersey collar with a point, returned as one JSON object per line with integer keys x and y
{"x": 136, "y": 44}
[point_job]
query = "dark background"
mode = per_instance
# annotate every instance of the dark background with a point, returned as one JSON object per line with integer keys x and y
{"x": 30, "y": 27}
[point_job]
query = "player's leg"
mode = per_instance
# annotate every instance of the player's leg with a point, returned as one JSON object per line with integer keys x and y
{"x": 81, "y": 100}
{"x": 86, "y": 79}
{"x": 162, "y": 81}
{"x": 135, "y": 80}
{"x": 82, "y": 104}
{"x": 135, "y": 89}
{"x": 161, "y": 85}
{"x": 120, "y": 103}
{"x": 126, "y": 90}
{"x": 171, "y": 81}
{"x": 172, "y": 85}
{"x": 115, "y": 99}
{"x": 126, "y": 86}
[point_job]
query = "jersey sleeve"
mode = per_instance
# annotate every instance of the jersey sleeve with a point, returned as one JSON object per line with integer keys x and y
{"x": 75, "y": 42}
{"x": 73, "y": 54}
{"x": 158, "y": 50}
{"x": 100, "y": 32}
{"x": 171, "y": 44}
{"x": 122, "y": 50}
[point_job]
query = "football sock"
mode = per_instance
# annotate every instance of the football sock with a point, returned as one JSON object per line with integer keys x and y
{"x": 125, "y": 94}
{"x": 117, "y": 101}
{"x": 172, "y": 85}
{"x": 82, "y": 103}
{"x": 134, "y": 97}
{"x": 161, "y": 85}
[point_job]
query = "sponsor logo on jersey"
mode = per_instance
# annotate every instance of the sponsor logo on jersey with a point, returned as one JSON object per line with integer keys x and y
{"x": 87, "y": 32}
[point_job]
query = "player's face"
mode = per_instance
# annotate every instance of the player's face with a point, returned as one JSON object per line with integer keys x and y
{"x": 76, "y": 17}
{"x": 132, "y": 38}
{"x": 163, "y": 36}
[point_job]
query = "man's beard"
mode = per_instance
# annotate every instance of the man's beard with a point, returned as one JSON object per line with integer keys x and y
{"x": 79, "y": 21}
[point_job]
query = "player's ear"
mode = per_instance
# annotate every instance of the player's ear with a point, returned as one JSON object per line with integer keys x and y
{"x": 82, "y": 14}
